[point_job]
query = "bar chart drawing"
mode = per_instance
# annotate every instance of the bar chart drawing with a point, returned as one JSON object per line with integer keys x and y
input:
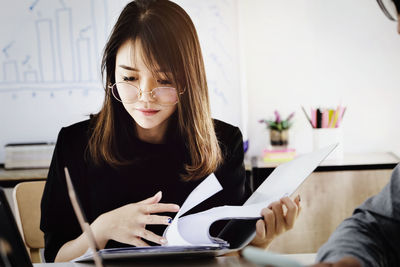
{"x": 10, "y": 71}
{"x": 61, "y": 46}
{"x": 47, "y": 64}
{"x": 65, "y": 44}
{"x": 83, "y": 49}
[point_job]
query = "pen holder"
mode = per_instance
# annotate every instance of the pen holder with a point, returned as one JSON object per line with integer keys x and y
{"x": 324, "y": 137}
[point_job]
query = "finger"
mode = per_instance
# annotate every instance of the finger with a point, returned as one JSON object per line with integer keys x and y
{"x": 159, "y": 207}
{"x": 148, "y": 235}
{"x": 297, "y": 200}
{"x": 269, "y": 222}
{"x": 138, "y": 242}
{"x": 291, "y": 213}
{"x": 279, "y": 220}
{"x": 155, "y": 219}
{"x": 260, "y": 229}
{"x": 152, "y": 200}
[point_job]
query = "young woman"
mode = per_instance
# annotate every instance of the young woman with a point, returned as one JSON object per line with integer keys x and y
{"x": 153, "y": 139}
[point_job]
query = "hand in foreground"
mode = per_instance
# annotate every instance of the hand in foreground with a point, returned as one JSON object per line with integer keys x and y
{"x": 276, "y": 220}
{"x": 127, "y": 223}
{"x": 344, "y": 262}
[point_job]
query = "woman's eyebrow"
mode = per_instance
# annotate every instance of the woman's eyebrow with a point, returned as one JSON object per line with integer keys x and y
{"x": 128, "y": 67}
{"x": 135, "y": 69}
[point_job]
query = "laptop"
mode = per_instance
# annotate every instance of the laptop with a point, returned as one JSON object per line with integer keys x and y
{"x": 237, "y": 234}
{"x": 12, "y": 248}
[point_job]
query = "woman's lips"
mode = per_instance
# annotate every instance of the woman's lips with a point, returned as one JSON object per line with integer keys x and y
{"x": 148, "y": 112}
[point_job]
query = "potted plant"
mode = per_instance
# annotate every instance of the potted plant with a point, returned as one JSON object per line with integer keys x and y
{"x": 279, "y": 129}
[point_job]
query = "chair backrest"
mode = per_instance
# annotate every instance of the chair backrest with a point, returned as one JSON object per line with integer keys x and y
{"x": 27, "y": 198}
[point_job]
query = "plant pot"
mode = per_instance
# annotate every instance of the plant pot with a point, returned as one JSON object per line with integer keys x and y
{"x": 279, "y": 138}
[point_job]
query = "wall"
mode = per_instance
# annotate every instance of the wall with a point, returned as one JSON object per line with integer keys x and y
{"x": 322, "y": 53}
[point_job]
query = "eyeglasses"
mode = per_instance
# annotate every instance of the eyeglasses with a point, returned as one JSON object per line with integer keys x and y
{"x": 128, "y": 93}
{"x": 389, "y": 9}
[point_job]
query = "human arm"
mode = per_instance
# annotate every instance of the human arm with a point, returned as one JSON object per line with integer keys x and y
{"x": 372, "y": 234}
{"x": 276, "y": 220}
{"x": 125, "y": 225}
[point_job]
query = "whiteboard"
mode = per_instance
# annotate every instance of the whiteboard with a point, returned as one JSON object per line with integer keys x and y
{"x": 50, "y": 62}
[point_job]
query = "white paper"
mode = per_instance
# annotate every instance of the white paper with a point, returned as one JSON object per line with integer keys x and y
{"x": 287, "y": 177}
{"x": 203, "y": 221}
{"x": 204, "y": 190}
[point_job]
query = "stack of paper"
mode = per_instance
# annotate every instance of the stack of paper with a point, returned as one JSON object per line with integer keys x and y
{"x": 279, "y": 155}
{"x": 24, "y": 156}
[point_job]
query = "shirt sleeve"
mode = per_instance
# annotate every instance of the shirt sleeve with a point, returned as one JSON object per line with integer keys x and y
{"x": 372, "y": 233}
{"x": 58, "y": 221}
{"x": 232, "y": 173}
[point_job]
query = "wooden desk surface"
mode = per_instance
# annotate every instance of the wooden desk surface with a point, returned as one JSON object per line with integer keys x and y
{"x": 9, "y": 178}
{"x": 306, "y": 259}
{"x": 211, "y": 262}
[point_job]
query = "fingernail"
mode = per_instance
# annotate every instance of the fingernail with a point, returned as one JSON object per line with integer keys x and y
{"x": 169, "y": 220}
{"x": 176, "y": 207}
{"x": 163, "y": 241}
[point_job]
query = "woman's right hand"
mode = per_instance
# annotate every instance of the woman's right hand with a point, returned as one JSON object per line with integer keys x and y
{"x": 127, "y": 223}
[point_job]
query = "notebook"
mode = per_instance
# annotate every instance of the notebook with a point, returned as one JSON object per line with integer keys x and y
{"x": 238, "y": 233}
{"x": 12, "y": 249}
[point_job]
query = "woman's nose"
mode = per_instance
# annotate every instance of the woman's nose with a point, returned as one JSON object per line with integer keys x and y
{"x": 146, "y": 87}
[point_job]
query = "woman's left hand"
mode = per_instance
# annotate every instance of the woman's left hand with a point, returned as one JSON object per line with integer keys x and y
{"x": 276, "y": 221}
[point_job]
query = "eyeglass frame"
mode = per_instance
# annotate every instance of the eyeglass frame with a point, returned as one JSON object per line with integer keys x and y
{"x": 140, "y": 92}
{"x": 385, "y": 10}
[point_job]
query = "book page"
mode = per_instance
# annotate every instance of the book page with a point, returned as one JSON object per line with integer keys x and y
{"x": 203, "y": 191}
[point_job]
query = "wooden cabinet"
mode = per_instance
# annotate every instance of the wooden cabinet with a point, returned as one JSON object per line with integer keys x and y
{"x": 329, "y": 195}
{"x": 327, "y": 198}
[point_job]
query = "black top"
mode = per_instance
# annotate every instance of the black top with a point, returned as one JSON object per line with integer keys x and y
{"x": 154, "y": 167}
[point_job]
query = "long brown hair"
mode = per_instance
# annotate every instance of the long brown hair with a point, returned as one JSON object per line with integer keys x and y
{"x": 169, "y": 40}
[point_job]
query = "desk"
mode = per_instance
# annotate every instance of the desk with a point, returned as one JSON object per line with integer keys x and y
{"x": 233, "y": 261}
{"x": 9, "y": 178}
{"x": 211, "y": 262}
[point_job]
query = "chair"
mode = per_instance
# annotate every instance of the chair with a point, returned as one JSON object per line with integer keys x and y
{"x": 27, "y": 197}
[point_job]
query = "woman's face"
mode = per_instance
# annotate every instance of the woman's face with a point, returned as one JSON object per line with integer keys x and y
{"x": 149, "y": 115}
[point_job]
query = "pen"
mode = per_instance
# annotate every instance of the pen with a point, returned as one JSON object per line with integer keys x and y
{"x": 308, "y": 118}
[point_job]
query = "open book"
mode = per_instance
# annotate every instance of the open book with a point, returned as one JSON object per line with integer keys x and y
{"x": 189, "y": 235}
